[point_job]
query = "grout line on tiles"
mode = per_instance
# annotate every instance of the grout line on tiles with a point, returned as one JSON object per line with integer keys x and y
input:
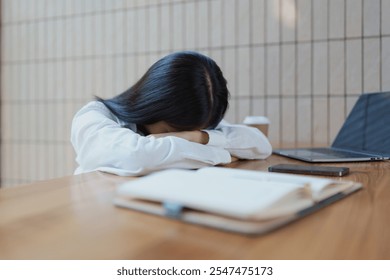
{"x": 296, "y": 78}
{"x": 362, "y": 40}
{"x": 265, "y": 60}
{"x": 98, "y": 12}
{"x": 236, "y": 84}
{"x": 345, "y": 60}
{"x": 280, "y": 137}
{"x": 311, "y": 77}
{"x": 159, "y": 52}
{"x": 251, "y": 59}
{"x": 83, "y": 100}
{"x": 380, "y": 46}
{"x": 328, "y": 64}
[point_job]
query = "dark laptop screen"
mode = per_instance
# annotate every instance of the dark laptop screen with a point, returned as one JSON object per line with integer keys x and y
{"x": 367, "y": 127}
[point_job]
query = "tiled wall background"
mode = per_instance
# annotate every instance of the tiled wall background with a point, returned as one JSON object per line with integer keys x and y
{"x": 300, "y": 62}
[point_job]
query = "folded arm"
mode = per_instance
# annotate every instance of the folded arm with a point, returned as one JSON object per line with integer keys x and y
{"x": 241, "y": 141}
{"x": 102, "y": 144}
{"x": 196, "y": 136}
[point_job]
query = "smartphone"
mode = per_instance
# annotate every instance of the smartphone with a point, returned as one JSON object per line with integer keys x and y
{"x": 310, "y": 169}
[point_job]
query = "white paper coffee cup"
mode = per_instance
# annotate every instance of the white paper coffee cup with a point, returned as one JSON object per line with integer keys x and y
{"x": 259, "y": 122}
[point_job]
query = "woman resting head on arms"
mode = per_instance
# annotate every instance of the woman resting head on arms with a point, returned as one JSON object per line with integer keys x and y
{"x": 171, "y": 118}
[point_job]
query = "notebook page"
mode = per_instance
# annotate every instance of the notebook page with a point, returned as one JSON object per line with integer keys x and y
{"x": 320, "y": 187}
{"x": 237, "y": 196}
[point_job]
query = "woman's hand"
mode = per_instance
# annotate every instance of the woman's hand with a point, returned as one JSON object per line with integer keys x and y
{"x": 234, "y": 159}
{"x": 195, "y": 136}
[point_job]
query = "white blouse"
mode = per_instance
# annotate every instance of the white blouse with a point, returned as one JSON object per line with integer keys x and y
{"x": 101, "y": 142}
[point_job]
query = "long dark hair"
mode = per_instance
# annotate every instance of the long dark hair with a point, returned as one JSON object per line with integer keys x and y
{"x": 187, "y": 90}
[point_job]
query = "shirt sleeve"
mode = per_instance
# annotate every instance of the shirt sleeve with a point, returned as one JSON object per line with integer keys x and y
{"x": 241, "y": 141}
{"x": 101, "y": 143}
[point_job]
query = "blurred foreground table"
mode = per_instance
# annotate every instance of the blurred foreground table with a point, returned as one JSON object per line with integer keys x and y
{"x": 74, "y": 218}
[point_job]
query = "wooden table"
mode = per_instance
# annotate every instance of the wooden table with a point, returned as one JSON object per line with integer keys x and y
{"x": 74, "y": 218}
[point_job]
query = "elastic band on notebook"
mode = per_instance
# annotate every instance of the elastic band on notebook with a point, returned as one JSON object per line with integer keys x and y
{"x": 173, "y": 210}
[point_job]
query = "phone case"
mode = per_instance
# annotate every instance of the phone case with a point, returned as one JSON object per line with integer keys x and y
{"x": 310, "y": 169}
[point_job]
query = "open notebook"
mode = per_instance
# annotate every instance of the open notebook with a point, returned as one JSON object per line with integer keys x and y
{"x": 231, "y": 199}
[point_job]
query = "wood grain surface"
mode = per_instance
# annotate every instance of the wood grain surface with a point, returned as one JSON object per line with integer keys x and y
{"x": 74, "y": 218}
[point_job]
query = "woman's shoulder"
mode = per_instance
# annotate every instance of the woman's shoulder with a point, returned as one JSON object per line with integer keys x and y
{"x": 95, "y": 107}
{"x": 98, "y": 110}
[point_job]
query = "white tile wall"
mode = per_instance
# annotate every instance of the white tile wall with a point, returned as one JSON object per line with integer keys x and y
{"x": 230, "y": 70}
{"x": 354, "y": 18}
{"x": 273, "y": 111}
{"x": 165, "y": 28}
{"x": 371, "y": 64}
{"x": 320, "y": 68}
{"x": 288, "y": 20}
{"x": 202, "y": 24}
{"x": 354, "y": 66}
{"x": 304, "y": 20}
{"x": 242, "y": 105}
{"x": 336, "y": 19}
{"x": 304, "y": 121}
{"x": 215, "y": 24}
{"x": 257, "y": 107}
{"x": 273, "y": 71}
{"x": 320, "y": 19}
{"x": 371, "y": 17}
{"x": 229, "y": 22}
{"x": 272, "y": 22}
{"x": 243, "y": 71}
{"x": 243, "y": 18}
{"x": 288, "y": 121}
{"x": 304, "y": 70}
{"x": 257, "y": 17}
{"x": 258, "y": 71}
{"x": 320, "y": 120}
{"x": 302, "y": 63}
{"x": 385, "y": 63}
{"x": 336, "y": 67}
{"x": 287, "y": 71}
{"x": 190, "y": 26}
{"x": 385, "y": 24}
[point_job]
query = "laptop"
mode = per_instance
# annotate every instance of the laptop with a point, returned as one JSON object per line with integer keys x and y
{"x": 365, "y": 135}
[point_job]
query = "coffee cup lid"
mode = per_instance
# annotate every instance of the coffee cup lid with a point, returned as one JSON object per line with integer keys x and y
{"x": 256, "y": 120}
